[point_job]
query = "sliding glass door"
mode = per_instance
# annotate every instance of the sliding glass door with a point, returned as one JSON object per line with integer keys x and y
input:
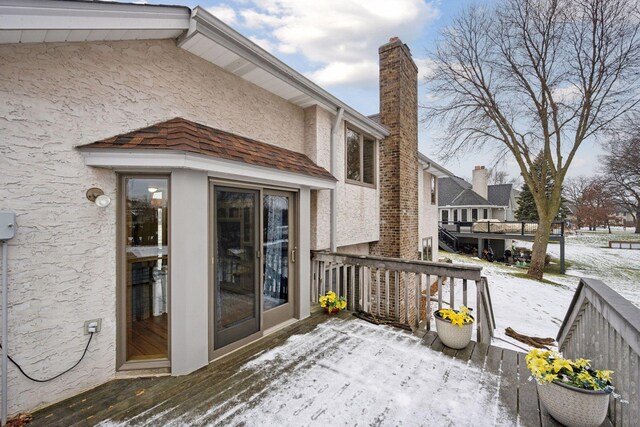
{"x": 279, "y": 254}
{"x": 236, "y": 264}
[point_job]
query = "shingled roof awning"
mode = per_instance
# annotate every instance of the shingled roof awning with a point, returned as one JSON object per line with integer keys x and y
{"x": 183, "y": 143}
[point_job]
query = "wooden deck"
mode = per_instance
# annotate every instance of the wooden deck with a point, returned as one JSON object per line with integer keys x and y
{"x": 223, "y": 387}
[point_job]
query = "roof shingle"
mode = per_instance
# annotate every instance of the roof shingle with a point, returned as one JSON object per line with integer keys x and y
{"x": 184, "y": 135}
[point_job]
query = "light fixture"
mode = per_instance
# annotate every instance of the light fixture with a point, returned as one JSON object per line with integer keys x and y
{"x": 97, "y": 196}
{"x": 152, "y": 189}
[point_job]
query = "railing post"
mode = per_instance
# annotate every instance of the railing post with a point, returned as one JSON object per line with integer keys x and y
{"x": 418, "y": 284}
{"x": 478, "y": 314}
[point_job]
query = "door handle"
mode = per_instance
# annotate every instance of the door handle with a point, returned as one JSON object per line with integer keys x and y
{"x": 293, "y": 255}
{"x": 258, "y": 254}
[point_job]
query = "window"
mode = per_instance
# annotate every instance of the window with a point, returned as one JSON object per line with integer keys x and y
{"x": 360, "y": 158}
{"x": 427, "y": 249}
{"x": 464, "y": 215}
{"x": 485, "y": 213}
{"x": 144, "y": 255}
{"x": 455, "y": 215}
{"x": 433, "y": 189}
{"x": 474, "y": 214}
{"x": 445, "y": 217}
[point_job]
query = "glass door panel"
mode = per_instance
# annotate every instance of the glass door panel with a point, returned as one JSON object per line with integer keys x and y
{"x": 278, "y": 255}
{"x": 146, "y": 250}
{"x": 236, "y": 313}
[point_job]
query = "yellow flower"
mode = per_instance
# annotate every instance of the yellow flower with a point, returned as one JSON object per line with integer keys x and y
{"x": 538, "y": 367}
{"x": 559, "y": 364}
{"x": 548, "y": 378}
{"x": 585, "y": 376}
{"x": 604, "y": 375}
{"x": 582, "y": 363}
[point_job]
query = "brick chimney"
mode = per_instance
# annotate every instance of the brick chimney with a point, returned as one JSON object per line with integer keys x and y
{"x": 480, "y": 181}
{"x": 398, "y": 153}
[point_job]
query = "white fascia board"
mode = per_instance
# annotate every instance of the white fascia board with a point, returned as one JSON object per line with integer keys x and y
{"x": 139, "y": 160}
{"x": 207, "y": 25}
{"x": 81, "y": 15}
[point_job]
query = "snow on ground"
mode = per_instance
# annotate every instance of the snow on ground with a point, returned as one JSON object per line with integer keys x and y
{"x": 367, "y": 375}
{"x": 529, "y": 307}
{"x": 590, "y": 255}
{"x": 537, "y": 309}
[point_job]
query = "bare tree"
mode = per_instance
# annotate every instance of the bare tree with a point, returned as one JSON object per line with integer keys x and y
{"x": 621, "y": 166}
{"x": 531, "y": 76}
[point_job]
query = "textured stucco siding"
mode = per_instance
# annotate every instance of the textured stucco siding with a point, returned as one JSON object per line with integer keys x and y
{"x": 62, "y": 262}
{"x": 358, "y": 209}
{"x": 358, "y": 206}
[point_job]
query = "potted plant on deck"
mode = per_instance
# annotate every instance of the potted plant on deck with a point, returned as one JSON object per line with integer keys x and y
{"x": 454, "y": 327}
{"x": 332, "y": 303}
{"x": 572, "y": 392}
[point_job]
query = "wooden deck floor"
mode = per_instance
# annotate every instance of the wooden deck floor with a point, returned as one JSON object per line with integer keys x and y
{"x": 217, "y": 389}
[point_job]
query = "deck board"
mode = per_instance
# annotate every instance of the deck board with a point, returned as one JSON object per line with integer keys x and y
{"x": 217, "y": 390}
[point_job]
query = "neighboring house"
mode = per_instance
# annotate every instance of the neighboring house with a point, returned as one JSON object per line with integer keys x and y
{"x": 460, "y": 201}
{"x": 222, "y": 167}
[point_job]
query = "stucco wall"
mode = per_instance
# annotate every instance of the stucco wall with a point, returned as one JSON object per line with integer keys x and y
{"x": 358, "y": 206}
{"x": 62, "y": 262}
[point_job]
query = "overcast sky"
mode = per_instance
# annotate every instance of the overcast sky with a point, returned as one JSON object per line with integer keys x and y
{"x": 335, "y": 44}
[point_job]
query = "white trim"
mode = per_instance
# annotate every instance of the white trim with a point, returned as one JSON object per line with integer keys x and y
{"x": 70, "y": 15}
{"x": 138, "y": 160}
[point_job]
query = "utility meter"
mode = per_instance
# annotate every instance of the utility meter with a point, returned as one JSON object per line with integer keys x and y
{"x": 7, "y": 225}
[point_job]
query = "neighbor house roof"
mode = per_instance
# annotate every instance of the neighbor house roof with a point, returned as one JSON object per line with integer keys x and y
{"x": 468, "y": 197}
{"x": 180, "y": 134}
{"x": 499, "y": 194}
{"x": 194, "y": 30}
{"x": 449, "y": 188}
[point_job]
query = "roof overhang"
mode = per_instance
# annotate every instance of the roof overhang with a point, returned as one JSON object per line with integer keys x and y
{"x": 38, "y": 21}
{"x": 197, "y": 31}
{"x": 432, "y": 167}
{"x": 213, "y": 40}
{"x": 156, "y": 160}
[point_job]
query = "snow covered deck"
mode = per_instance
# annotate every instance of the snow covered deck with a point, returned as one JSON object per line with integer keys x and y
{"x": 324, "y": 370}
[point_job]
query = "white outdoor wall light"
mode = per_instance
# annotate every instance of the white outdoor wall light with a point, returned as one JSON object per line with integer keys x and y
{"x": 97, "y": 196}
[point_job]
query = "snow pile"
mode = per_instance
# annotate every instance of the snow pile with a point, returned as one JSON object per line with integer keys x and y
{"x": 354, "y": 373}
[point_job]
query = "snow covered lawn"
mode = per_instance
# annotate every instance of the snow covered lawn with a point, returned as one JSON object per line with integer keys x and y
{"x": 529, "y": 307}
{"x": 590, "y": 255}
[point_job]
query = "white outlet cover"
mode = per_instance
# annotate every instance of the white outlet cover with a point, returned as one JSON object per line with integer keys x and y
{"x": 88, "y": 322}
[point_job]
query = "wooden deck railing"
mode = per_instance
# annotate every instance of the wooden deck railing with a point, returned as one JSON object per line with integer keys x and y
{"x": 603, "y": 326}
{"x": 518, "y": 228}
{"x": 392, "y": 288}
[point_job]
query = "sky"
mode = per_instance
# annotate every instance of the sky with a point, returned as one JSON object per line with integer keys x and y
{"x": 335, "y": 44}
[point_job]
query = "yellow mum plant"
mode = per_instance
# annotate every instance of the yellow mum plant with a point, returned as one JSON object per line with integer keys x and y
{"x": 547, "y": 366}
{"x": 457, "y": 317}
{"x": 332, "y": 302}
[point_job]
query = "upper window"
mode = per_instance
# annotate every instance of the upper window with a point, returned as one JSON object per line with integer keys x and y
{"x": 474, "y": 214}
{"x": 433, "y": 189}
{"x": 361, "y": 158}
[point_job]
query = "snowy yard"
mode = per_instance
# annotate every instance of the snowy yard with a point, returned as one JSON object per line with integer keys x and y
{"x": 534, "y": 308}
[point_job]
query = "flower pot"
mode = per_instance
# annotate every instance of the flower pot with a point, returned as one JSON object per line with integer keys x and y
{"x": 453, "y": 336}
{"x": 331, "y": 310}
{"x": 574, "y": 407}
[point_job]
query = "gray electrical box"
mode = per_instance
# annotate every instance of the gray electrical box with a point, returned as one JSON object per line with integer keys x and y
{"x": 7, "y": 225}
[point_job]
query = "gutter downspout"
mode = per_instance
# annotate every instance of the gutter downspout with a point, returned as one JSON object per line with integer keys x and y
{"x": 334, "y": 193}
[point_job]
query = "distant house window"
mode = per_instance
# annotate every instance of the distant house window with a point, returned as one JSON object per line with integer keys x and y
{"x": 427, "y": 249}
{"x": 464, "y": 215}
{"x": 485, "y": 213}
{"x": 455, "y": 215}
{"x": 474, "y": 214}
{"x": 433, "y": 189}
{"x": 361, "y": 158}
{"x": 445, "y": 217}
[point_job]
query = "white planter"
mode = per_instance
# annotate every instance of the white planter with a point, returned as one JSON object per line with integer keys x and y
{"x": 452, "y": 336}
{"x": 574, "y": 407}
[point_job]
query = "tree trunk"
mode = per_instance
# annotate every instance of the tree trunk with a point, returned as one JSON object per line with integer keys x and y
{"x": 638, "y": 220}
{"x": 539, "y": 249}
